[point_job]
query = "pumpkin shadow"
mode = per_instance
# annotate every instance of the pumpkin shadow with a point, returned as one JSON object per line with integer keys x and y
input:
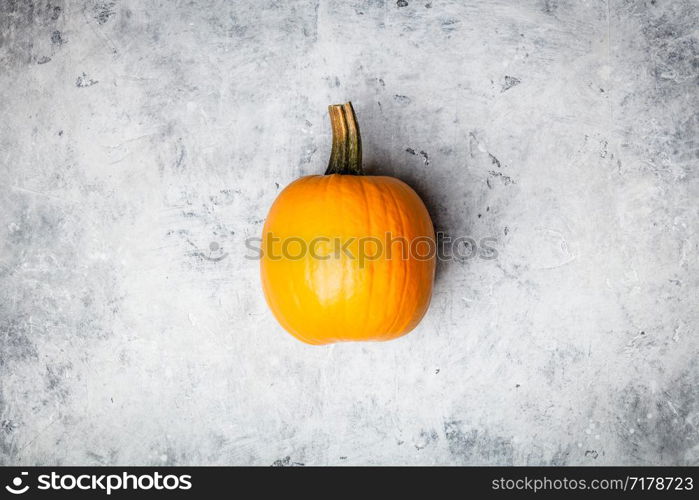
{"x": 432, "y": 197}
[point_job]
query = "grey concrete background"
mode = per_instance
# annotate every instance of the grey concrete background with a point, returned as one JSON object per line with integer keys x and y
{"x": 141, "y": 143}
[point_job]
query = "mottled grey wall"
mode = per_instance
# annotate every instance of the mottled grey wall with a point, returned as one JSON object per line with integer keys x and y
{"x": 141, "y": 142}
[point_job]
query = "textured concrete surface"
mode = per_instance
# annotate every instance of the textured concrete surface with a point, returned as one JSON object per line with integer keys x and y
{"x": 142, "y": 142}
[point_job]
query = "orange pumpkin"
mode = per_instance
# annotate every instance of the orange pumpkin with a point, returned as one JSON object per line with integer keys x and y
{"x": 347, "y": 257}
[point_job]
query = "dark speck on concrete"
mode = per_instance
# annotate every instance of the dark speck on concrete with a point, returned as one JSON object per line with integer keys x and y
{"x": 55, "y": 13}
{"x": 410, "y": 150}
{"x": 286, "y": 462}
{"x": 426, "y": 438}
{"x": 592, "y": 453}
{"x": 43, "y": 60}
{"x": 56, "y": 38}
{"x": 7, "y": 426}
{"x": 495, "y": 161}
{"x": 425, "y": 157}
{"x": 181, "y": 155}
{"x": 402, "y": 99}
{"x": 85, "y": 81}
{"x": 510, "y": 81}
{"x": 103, "y": 11}
{"x": 402, "y": 3}
{"x": 550, "y": 7}
{"x": 506, "y": 179}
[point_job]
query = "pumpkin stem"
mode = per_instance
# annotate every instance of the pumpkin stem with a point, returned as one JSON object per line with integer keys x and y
{"x": 346, "y": 153}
